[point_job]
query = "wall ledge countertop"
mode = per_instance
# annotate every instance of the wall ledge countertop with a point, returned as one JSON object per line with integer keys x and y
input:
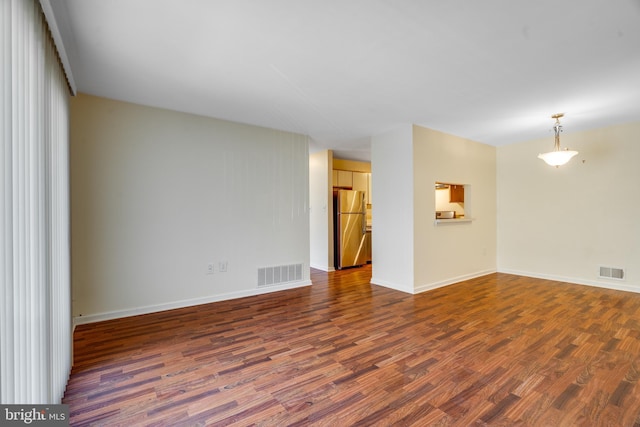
{"x": 451, "y": 220}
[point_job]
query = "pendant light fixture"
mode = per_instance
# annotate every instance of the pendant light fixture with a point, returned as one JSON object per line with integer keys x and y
{"x": 557, "y": 157}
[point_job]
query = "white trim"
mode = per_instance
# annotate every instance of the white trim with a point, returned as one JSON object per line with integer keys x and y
{"x": 390, "y": 285}
{"x": 451, "y": 281}
{"x": 595, "y": 283}
{"x": 99, "y": 317}
{"x": 322, "y": 267}
{"x": 52, "y": 22}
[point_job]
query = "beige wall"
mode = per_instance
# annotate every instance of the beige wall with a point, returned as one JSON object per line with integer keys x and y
{"x": 563, "y": 223}
{"x": 528, "y": 218}
{"x": 447, "y": 253}
{"x": 411, "y": 253}
{"x": 157, "y": 195}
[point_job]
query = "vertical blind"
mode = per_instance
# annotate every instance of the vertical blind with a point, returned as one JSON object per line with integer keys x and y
{"x": 35, "y": 301}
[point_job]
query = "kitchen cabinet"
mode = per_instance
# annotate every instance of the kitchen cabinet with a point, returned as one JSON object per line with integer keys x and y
{"x": 456, "y": 193}
{"x": 352, "y": 175}
{"x": 342, "y": 179}
{"x": 362, "y": 182}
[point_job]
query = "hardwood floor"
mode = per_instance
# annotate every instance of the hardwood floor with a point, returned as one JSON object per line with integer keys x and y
{"x": 499, "y": 350}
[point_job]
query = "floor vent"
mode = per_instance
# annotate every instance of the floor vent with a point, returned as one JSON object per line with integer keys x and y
{"x": 277, "y": 275}
{"x": 611, "y": 273}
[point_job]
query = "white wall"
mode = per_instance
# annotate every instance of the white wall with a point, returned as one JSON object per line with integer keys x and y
{"x": 448, "y": 253}
{"x": 321, "y": 210}
{"x": 157, "y": 195}
{"x": 563, "y": 223}
{"x": 392, "y": 213}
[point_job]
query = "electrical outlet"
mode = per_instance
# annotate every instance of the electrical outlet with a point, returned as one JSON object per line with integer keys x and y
{"x": 210, "y": 268}
{"x": 222, "y": 266}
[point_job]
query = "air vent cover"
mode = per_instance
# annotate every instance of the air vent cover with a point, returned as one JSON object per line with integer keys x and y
{"x": 611, "y": 273}
{"x": 279, "y": 274}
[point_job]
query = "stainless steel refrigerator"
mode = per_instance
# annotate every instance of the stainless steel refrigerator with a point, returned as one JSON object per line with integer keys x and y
{"x": 350, "y": 229}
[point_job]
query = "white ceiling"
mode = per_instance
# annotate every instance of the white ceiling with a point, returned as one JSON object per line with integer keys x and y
{"x": 493, "y": 71}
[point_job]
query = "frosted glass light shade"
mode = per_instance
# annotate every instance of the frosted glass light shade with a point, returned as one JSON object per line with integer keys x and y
{"x": 557, "y": 158}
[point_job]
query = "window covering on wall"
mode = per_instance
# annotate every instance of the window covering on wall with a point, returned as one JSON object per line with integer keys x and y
{"x": 35, "y": 302}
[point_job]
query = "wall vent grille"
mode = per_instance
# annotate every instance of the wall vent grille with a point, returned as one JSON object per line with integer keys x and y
{"x": 611, "y": 273}
{"x": 279, "y": 274}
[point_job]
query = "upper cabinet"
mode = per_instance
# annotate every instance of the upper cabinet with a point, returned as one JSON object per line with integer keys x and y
{"x": 456, "y": 193}
{"x": 343, "y": 179}
{"x": 362, "y": 182}
{"x": 353, "y": 175}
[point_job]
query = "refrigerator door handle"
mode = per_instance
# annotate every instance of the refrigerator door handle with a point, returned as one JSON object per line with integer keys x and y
{"x": 364, "y": 215}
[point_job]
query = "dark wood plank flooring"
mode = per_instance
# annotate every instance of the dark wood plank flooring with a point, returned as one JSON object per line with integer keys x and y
{"x": 499, "y": 350}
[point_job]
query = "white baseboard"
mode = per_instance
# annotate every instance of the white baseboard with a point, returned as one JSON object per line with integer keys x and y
{"x": 391, "y": 285}
{"x": 451, "y": 281}
{"x": 430, "y": 286}
{"x": 116, "y": 314}
{"x": 326, "y": 268}
{"x": 605, "y": 284}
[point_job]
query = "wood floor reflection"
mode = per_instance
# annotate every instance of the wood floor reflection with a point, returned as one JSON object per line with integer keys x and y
{"x": 496, "y": 350}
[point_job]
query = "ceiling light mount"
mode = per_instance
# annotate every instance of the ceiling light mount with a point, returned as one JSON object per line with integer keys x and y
{"x": 557, "y": 157}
